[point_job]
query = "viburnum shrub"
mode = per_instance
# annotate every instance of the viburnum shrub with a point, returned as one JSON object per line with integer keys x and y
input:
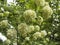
{"x": 30, "y": 22}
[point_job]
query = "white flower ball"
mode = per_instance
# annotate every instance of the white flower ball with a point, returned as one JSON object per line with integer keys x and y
{"x": 37, "y": 35}
{"x": 43, "y": 33}
{"x": 29, "y": 15}
{"x": 11, "y": 33}
{"x": 22, "y": 29}
{"x": 4, "y": 23}
{"x": 47, "y": 12}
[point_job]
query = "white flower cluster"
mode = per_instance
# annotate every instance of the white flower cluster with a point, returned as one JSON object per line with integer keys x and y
{"x": 4, "y": 23}
{"x": 47, "y": 12}
{"x": 37, "y": 35}
{"x": 11, "y": 33}
{"x": 46, "y": 9}
{"x": 22, "y": 29}
{"x": 29, "y": 15}
{"x": 41, "y": 34}
{"x": 25, "y": 29}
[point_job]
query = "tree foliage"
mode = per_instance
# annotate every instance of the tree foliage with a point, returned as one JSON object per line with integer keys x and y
{"x": 30, "y": 22}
